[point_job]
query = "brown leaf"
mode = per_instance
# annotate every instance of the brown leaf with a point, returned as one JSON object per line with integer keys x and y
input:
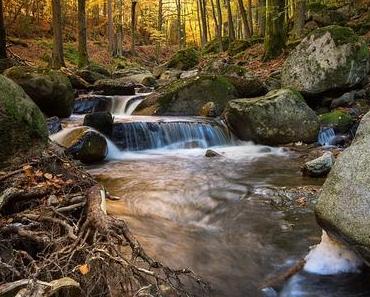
{"x": 84, "y": 269}
{"x": 28, "y": 170}
{"x": 48, "y": 176}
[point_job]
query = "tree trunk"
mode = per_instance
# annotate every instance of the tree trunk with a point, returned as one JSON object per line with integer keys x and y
{"x": 230, "y": 21}
{"x": 83, "y": 58}
{"x": 160, "y": 16}
{"x": 179, "y": 24}
{"x": 2, "y": 33}
{"x": 58, "y": 55}
{"x": 299, "y": 17}
{"x": 220, "y": 23}
{"x": 203, "y": 22}
{"x": 275, "y": 35}
{"x": 119, "y": 48}
{"x": 110, "y": 27}
{"x": 261, "y": 17}
{"x": 133, "y": 25}
{"x": 247, "y": 32}
{"x": 201, "y": 36}
{"x": 214, "y": 17}
{"x": 250, "y": 16}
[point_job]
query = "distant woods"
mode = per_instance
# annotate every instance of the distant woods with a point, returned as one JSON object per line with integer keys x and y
{"x": 122, "y": 25}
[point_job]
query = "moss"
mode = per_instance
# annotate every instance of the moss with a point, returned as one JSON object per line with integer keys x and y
{"x": 238, "y": 46}
{"x": 213, "y": 46}
{"x": 341, "y": 35}
{"x": 184, "y": 59}
{"x": 339, "y": 120}
{"x": 317, "y": 6}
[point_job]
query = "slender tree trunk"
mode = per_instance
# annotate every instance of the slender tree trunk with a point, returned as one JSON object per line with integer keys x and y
{"x": 2, "y": 33}
{"x": 83, "y": 58}
{"x": 179, "y": 24}
{"x": 110, "y": 27}
{"x": 58, "y": 55}
{"x": 133, "y": 25}
{"x": 214, "y": 17}
{"x": 201, "y": 36}
{"x": 230, "y": 21}
{"x": 299, "y": 17}
{"x": 261, "y": 17}
{"x": 275, "y": 35}
{"x": 220, "y": 23}
{"x": 203, "y": 22}
{"x": 247, "y": 32}
{"x": 120, "y": 29}
{"x": 250, "y": 16}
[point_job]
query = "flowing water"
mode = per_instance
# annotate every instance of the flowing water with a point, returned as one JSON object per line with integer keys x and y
{"x": 228, "y": 218}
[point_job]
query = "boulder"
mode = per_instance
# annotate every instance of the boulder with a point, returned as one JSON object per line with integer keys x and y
{"x": 98, "y": 69}
{"x": 76, "y": 81}
{"x": 184, "y": 59}
{"x": 189, "y": 73}
{"x": 170, "y": 74}
{"x": 280, "y": 117}
{"x": 246, "y": 84}
{"x": 114, "y": 87}
{"x": 187, "y": 97}
{"x": 212, "y": 154}
{"x": 82, "y": 143}
{"x": 23, "y": 128}
{"x": 330, "y": 58}
{"x": 100, "y": 121}
{"x": 319, "y": 167}
{"x": 51, "y": 90}
{"x": 344, "y": 204}
{"x": 347, "y": 99}
{"x": 213, "y": 46}
{"x": 90, "y": 76}
{"x": 340, "y": 121}
{"x": 54, "y": 125}
{"x": 136, "y": 75}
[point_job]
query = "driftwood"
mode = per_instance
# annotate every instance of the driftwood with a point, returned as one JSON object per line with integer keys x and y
{"x": 54, "y": 225}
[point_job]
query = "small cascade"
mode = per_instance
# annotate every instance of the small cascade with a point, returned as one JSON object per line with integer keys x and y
{"x": 135, "y": 136}
{"x": 125, "y": 105}
{"x": 326, "y": 136}
{"x": 331, "y": 257}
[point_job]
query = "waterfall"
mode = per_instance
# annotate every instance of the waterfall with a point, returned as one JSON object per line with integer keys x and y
{"x": 125, "y": 105}
{"x": 135, "y": 136}
{"x": 332, "y": 257}
{"x": 326, "y": 136}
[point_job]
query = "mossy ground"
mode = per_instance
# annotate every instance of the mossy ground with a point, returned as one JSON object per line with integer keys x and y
{"x": 339, "y": 120}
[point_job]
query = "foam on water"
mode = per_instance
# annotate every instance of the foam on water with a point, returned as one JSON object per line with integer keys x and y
{"x": 331, "y": 257}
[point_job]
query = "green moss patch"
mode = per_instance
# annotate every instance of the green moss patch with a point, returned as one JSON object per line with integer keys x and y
{"x": 339, "y": 120}
{"x": 184, "y": 59}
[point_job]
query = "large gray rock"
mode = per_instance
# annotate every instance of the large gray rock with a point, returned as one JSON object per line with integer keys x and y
{"x": 114, "y": 87}
{"x": 136, "y": 75}
{"x": 50, "y": 90}
{"x": 344, "y": 204}
{"x": 22, "y": 125}
{"x": 83, "y": 143}
{"x": 329, "y": 58}
{"x": 280, "y": 117}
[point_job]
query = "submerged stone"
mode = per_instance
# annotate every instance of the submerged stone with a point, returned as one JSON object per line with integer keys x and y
{"x": 319, "y": 167}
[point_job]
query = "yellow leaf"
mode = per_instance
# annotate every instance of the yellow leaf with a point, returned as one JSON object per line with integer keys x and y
{"x": 28, "y": 170}
{"x": 84, "y": 269}
{"x": 48, "y": 176}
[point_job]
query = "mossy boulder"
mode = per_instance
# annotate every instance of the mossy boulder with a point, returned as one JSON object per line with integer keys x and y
{"x": 83, "y": 143}
{"x": 238, "y": 46}
{"x": 184, "y": 59}
{"x": 344, "y": 204}
{"x": 51, "y": 90}
{"x": 246, "y": 84}
{"x": 213, "y": 46}
{"x": 188, "y": 96}
{"x": 340, "y": 121}
{"x": 98, "y": 69}
{"x": 23, "y": 127}
{"x": 330, "y": 58}
{"x": 111, "y": 87}
{"x": 279, "y": 117}
{"x": 93, "y": 73}
{"x": 136, "y": 75}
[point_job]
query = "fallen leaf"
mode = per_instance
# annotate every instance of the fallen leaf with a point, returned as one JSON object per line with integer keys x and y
{"x": 48, "y": 176}
{"x": 84, "y": 269}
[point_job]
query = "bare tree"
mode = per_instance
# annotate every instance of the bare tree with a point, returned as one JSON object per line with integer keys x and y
{"x": 58, "y": 55}
{"x": 133, "y": 25}
{"x": 230, "y": 21}
{"x": 110, "y": 27}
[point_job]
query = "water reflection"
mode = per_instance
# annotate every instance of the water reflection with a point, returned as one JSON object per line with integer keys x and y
{"x": 215, "y": 214}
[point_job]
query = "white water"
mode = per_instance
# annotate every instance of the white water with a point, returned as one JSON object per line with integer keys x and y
{"x": 125, "y": 105}
{"x": 331, "y": 257}
{"x": 326, "y": 136}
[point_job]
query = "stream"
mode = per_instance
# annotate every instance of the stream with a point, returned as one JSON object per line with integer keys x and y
{"x": 221, "y": 216}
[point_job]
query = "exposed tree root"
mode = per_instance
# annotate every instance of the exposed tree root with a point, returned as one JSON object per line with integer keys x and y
{"x": 55, "y": 236}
